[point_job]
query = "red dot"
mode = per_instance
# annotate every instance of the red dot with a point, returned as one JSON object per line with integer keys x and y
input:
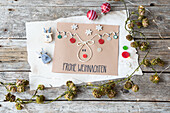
{"x": 72, "y": 40}
{"x": 84, "y": 55}
{"x": 125, "y": 55}
{"x": 101, "y": 41}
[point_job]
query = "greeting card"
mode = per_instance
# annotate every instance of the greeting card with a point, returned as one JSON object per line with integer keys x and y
{"x": 86, "y": 49}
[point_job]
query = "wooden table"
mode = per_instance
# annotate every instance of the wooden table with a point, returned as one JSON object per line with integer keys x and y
{"x": 14, "y": 65}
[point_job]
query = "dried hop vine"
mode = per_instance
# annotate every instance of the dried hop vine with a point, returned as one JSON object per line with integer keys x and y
{"x": 146, "y": 63}
{"x": 41, "y": 87}
{"x": 72, "y": 90}
{"x": 11, "y": 88}
{"x": 40, "y": 99}
{"x": 18, "y": 106}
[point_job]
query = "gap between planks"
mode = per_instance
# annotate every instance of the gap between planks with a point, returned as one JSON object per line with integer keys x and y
{"x": 100, "y": 100}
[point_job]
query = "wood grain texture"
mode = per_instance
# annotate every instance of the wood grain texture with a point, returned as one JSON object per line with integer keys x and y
{"x": 89, "y": 107}
{"x": 148, "y": 91}
{"x": 153, "y": 98}
{"x": 80, "y": 3}
{"x": 13, "y": 56}
{"x": 17, "y": 13}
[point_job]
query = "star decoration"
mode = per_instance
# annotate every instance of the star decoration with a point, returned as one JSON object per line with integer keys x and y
{"x": 99, "y": 27}
{"x": 88, "y": 32}
{"x": 74, "y": 27}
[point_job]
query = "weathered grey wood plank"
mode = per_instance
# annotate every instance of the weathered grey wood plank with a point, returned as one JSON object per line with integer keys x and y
{"x": 89, "y": 107}
{"x": 148, "y": 91}
{"x": 13, "y": 56}
{"x": 39, "y": 3}
{"x": 14, "y": 18}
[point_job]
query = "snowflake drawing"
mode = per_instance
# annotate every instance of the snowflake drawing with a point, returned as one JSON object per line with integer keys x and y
{"x": 74, "y": 27}
{"x": 88, "y": 32}
{"x": 99, "y": 27}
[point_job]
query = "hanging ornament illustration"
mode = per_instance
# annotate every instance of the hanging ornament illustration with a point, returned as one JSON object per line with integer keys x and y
{"x": 115, "y": 36}
{"x": 44, "y": 56}
{"x": 48, "y": 35}
{"x": 65, "y": 35}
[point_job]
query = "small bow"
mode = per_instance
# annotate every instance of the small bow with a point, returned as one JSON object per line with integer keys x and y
{"x": 90, "y": 42}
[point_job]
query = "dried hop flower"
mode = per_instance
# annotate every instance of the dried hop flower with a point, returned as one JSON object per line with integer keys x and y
{"x": 69, "y": 83}
{"x": 26, "y": 82}
{"x": 19, "y": 82}
{"x": 41, "y": 87}
{"x": 22, "y": 82}
{"x": 111, "y": 85}
{"x": 135, "y": 88}
{"x": 104, "y": 90}
{"x": 12, "y": 99}
{"x": 157, "y": 61}
{"x": 40, "y": 99}
{"x": 140, "y": 17}
{"x": 69, "y": 96}
{"x": 144, "y": 46}
{"x": 111, "y": 94}
{"x": 154, "y": 78}
{"x": 97, "y": 93}
{"x": 21, "y": 89}
{"x": 160, "y": 62}
{"x": 8, "y": 96}
{"x": 18, "y": 106}
{"x": 131, "y": 25}
{"x": 146, "y": 62}
{"x": 134, "y": 44}
{"x": 128, "y": 85}
{"x": 11, "y": 88}
{"x": 154, "y": 62}
{"x": 145, "y": 22}
{"x": 129, "y": 37}
{"x": 141, "y": 10}
{"x": 139, "y": 24}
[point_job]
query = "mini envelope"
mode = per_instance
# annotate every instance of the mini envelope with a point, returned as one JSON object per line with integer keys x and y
{"x": 86, "y": 49}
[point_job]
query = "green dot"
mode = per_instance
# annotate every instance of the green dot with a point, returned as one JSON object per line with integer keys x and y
{"x": 125, "y": 47}
{"x": 59, "y": 36}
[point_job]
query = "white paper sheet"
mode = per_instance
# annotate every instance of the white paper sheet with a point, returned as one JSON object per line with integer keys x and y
{"x": 42, "y": 73}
